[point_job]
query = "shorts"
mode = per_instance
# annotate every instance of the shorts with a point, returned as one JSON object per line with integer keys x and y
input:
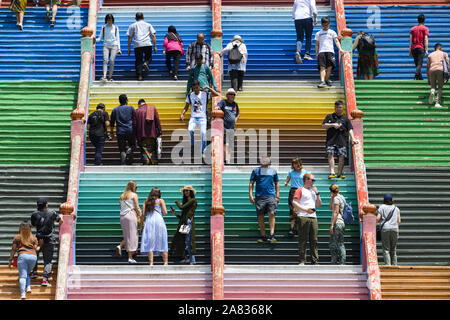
{"x": 57, "y": 2}
{"x": 265, "y": 205}
{"x": 326, "y": 59}
{"x": 335, "y": 150}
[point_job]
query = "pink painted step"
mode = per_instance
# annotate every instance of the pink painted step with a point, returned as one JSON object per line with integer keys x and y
{"x": 295, "y": 282}
{"x": 140, "y": 282}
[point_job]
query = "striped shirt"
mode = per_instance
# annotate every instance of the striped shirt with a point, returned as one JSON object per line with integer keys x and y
{"x": 196, "y": 48}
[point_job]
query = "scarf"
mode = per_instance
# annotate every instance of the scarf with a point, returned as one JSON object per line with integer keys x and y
{"x": 173, "y": 37}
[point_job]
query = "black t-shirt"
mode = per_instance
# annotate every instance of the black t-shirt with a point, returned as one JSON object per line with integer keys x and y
{"x": 44, "y": 221}
{"x": 339, "y": 136}
{"x": 97, "y": 121}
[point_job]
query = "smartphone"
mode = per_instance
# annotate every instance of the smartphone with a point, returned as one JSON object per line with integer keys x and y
{"x": 314, "y": 210}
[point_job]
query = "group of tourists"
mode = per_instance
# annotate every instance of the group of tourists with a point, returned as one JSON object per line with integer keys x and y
{"x": 19, "y": 6}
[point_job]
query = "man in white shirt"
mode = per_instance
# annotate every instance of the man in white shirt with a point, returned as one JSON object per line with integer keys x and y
{"x": 325, "y": 52}
{"x": 140, "y": 32}
{"x": 302, "y": 13}
{"x": 306, "y": 200}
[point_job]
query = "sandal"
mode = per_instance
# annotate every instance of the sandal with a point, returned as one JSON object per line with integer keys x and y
{"x": 52, "y": 24}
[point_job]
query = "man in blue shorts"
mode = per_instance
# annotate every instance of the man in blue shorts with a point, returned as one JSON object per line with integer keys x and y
{"x": 337, "y": 125}
{"x": 267, "y": 196}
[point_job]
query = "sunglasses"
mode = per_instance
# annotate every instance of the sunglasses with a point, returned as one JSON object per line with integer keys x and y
{"x": 230, "y": 94}
{"x": 313, "y": 180}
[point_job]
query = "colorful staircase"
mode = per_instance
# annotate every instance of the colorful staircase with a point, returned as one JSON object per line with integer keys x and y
{"x": 269, "y": 34}
{"x": 421, "y": 193}
{"x": 241, "y": 226}
{"x": 139, "y": 283}
{"x": 20, "y": 187}
{"x": 415, "y": 283}
{"x": 169, "y": 99}
{"x": 390, "y": 26}
{"x": 98, "y": 229}
{"x": 400, "y": 127}
{"x": 160, "y": 18}
{"x": 292, "y": 109}
{"x": 267, "y": 2}
{"x": 35, "y": 122}
{"x": 41, "y": 52}
{"x": 281, "y": 282}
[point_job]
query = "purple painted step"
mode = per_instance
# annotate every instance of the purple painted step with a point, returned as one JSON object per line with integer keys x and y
{"x": 295, "y": 282}
{"x": 140, "y": 282}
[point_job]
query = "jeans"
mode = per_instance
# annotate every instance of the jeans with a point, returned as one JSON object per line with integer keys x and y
{"x": 47, "y": 253}
{"x": 304, "y": 27}
{"x": 122, "y": 140}
{"x": 139, "y": 54}
{"x": 99, "y": 144}
{"x": 109, "y": 53}
{"x": 188, "y": 243}
{"x": 200, "y": 122}
{"x": 389, "y": 240}
{"x": 237, "y": 79}
{"x": 418, "y": 55}
{"x": 176, "y": 55}
{"x": 337, "y": 248}
{"x": 25, "y": 263}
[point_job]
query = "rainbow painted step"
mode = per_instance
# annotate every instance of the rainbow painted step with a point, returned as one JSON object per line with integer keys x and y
{"x": 35, "y": 122}
{"x": 400, "y": 127}
{"x": 241, "y": 226}
{"x": 98, "y": 229}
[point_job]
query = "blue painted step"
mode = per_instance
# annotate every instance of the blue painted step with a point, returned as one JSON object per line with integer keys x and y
{"x": 41, "y": 52}
{"x": 270, "y": 38}
{"x": 392, "y": 35}
{"x": 188, "y": 22}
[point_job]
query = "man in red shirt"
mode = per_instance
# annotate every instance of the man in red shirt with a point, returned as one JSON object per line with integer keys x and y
{"x": 418, "y": 45}
{"x": 147, "y": 128}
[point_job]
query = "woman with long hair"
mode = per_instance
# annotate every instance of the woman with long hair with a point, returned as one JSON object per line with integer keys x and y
{"x": 367, "y": 59}
{"x": 18, "y": 6}
{"x": 111, "y": 46}
{"x": 173, "y": 49}
{"x": 337, "y": 227}
{"x": 184, "y": 244}
{"x": 27, "y": 247}
{"x": 154, "y": 235}
{"x": 129, "y": 213}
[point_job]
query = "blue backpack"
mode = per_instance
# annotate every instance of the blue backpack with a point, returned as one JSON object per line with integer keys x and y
{"x": 347, "y": 213}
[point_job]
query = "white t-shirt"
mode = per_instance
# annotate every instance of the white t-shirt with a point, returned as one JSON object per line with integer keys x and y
{"x": 198, "y": 104}
{"x": 303, "y": 9}
{"x": 141, "y": 31}
{"x": 326, "y": 39}
{"x": 307, "y": 199}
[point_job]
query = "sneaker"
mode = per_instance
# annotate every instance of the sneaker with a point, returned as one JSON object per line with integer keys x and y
{"x": 20, "y": 27}
{"x": 103, "y": 80}
{"x": 307, "y": 57}
{"x": 323, "y": 84}
{"x": 437, "y": 105}
{"x": 291, "y": 231}
{"x": 341, "y": 176}
{"x": 140, "y": 78}
{"x": 262, "y": 239}
{"x": 184, "y": 261}
{"x": 45, "y": 283}
{"x": 175, "y": 77}
{"x": 298, "y": 59}
{"x": 111, "y": 80}
{"x": 329, "y": 83}
{"x": 272, "y": 239}
{"x": 147, "y": 69}
{"x": 34, "y": 275}
{"x": 29, "y": 289}
{"x": 301, "y": 264}
{"x": 23, "y": 296}
{"x": 132, "y": 261}
{"x": 118, "y": 251}
{"x": 431, "y": 97}
{"x": 332, "y": 176}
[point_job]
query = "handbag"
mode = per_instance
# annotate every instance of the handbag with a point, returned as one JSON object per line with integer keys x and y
{"x": 380, "y": 227}
{"x": 184, "y": 229}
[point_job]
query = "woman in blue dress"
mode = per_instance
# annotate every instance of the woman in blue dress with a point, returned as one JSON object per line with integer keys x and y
{"x": 154, "y": 233}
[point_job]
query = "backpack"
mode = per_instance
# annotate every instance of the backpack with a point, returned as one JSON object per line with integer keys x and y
{"x": 446, "y": 70}
{"x": 235, "y": 56}
{"x": 347, "y": 213}
{"x": 44, "y": 225}
{"x": 367, "y": 42}
{"x": 95, "y": 119}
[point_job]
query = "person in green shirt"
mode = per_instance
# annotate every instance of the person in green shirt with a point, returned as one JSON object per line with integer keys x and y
{"x": 201, "y": 73}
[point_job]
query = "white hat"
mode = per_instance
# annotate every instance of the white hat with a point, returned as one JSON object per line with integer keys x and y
{"x": 231, "y": 90}
{"x": 237, "y": 37}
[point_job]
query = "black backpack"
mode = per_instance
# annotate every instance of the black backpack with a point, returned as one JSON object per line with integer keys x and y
{"x": 235, "y": 56}
{"x": 44, "y": 224}
{"x": 96, "y": 119}
{"x": 367, "y": 42}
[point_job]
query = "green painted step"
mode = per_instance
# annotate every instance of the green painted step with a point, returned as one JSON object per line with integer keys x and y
{"x": 98, "y": 229}
{"x": 423, "y": 196}
{"x": 35, "y": 122}
{"x": 241, "y": 227}
{"x": 400, "y": 127}
{"x": 20, "y": 187}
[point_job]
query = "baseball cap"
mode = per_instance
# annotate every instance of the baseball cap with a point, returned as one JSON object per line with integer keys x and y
{"x": 231, "y": 90}
{"x": 388, "y": 197}
{"x": 42, "y": 202}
